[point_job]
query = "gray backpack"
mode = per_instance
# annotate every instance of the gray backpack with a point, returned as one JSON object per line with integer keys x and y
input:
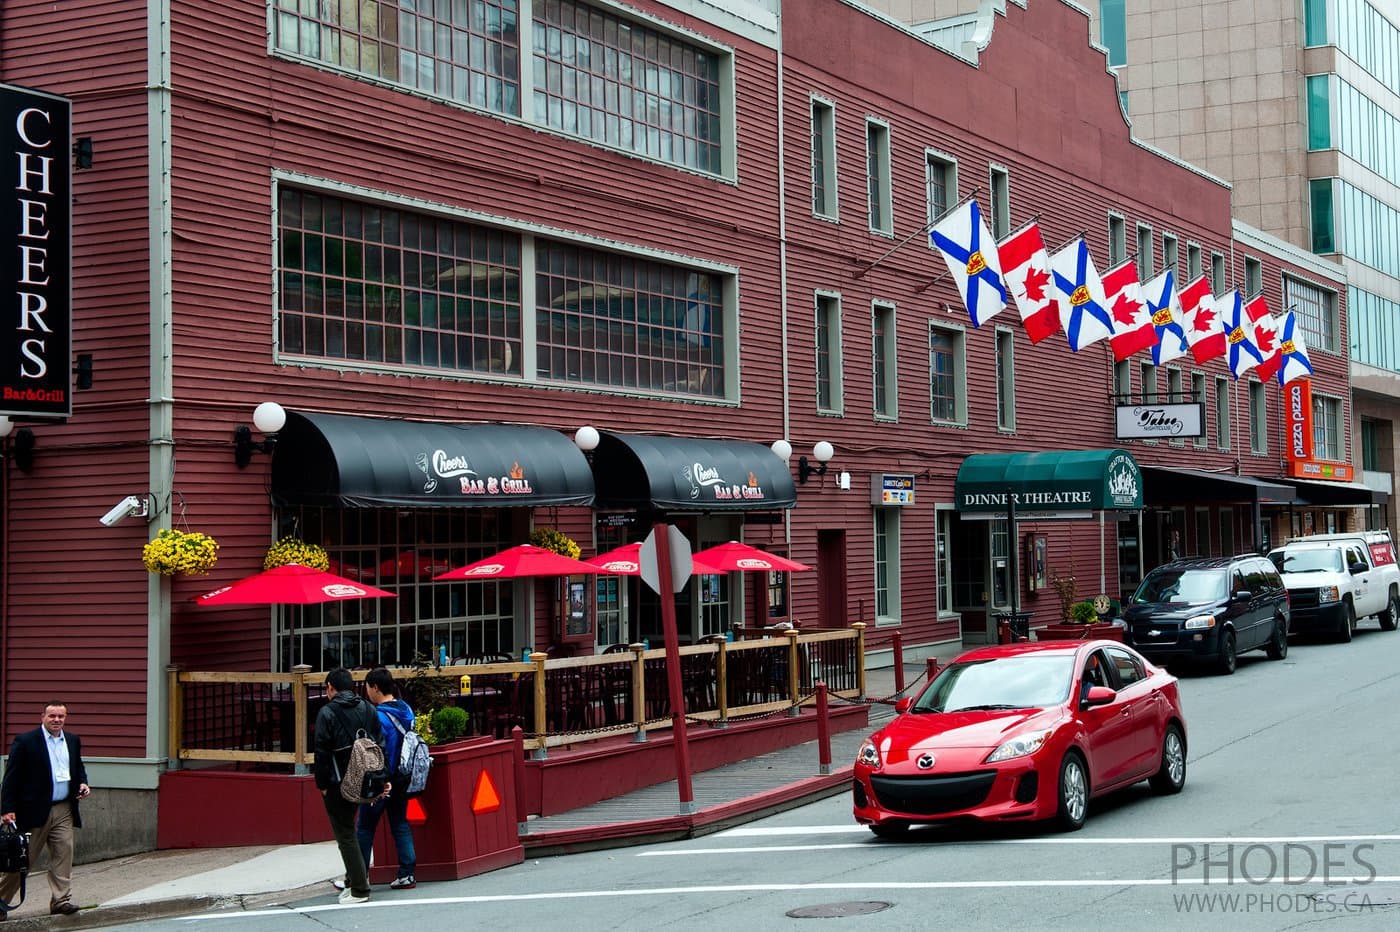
{"x": 414, "y": 761}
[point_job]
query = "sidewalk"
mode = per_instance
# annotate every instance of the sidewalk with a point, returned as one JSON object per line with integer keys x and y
{"x": 176, "y": 882}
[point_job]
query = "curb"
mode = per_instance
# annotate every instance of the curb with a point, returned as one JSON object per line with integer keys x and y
{"x": 96, "y": 917}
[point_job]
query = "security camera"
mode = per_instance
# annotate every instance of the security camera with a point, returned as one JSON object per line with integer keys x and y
{"x": 131, "y": 505}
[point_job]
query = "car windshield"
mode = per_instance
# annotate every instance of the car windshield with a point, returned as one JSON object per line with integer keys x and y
{"x": 1025, "y": 681}
{"x": 1182, "y": 585}
{"x": 1312, "y": 560}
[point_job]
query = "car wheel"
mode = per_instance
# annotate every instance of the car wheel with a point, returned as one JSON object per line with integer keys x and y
{"x": 1389, "y": 617}
{"x": 890, "y": 831}
{"x": 1278, "y": 643}
{"x": 1172, "y": 775}
{"x": 1074, "y": 793}
{"x": 1348, "y": 626}
{"x": 1225, "y": 663}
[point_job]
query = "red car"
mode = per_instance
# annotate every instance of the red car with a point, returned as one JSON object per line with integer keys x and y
{"x": 1022, "y": 732}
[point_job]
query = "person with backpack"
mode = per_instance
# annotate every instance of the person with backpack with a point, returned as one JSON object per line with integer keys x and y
{"x": 345, "y": 718}
{"x": 396, "y": 721}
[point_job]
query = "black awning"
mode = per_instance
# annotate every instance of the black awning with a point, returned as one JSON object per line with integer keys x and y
{"x": 336, "y": 459}
{"x": 685, "y": 474}
{"x": 1166, "y": 485}
{"x": 1324, "y": 492}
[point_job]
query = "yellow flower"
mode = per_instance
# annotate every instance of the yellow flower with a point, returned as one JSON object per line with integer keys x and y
{"x": 295, "y": 550}
{"x": 550, "y": 539}
{"x": 173, "y": 552}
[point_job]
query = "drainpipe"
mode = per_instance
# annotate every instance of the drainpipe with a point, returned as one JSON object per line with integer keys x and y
{"x": 782, "y": 259}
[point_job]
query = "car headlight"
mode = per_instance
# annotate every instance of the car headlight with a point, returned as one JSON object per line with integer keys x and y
{"x": 1020, "y": 746}
{"x": 1200, "y": 621}
{"x": 869, "y": 755}
{"x": 1329, "y": 594}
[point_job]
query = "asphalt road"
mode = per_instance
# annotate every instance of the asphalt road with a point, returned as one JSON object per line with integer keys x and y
{"x": 1287, "y": 820}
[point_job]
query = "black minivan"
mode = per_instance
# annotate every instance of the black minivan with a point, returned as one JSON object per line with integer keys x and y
{"x": 1209, "y": 609}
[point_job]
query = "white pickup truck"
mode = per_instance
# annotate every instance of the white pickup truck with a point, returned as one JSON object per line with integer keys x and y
{"x": 1334, "y": 579}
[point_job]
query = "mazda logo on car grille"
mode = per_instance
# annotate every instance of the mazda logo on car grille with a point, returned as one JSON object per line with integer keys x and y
{"x": 925, "y": 761}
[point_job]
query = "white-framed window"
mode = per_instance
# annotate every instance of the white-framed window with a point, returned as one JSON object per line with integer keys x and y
{"x": 883, "y": 353}
{"x": 1006, "y": 379}
{"x": 1000, "y": 178}
{"x": 1193, "y": 261}
{"x": 1222, "y": 413}
{"x": 1117, "y": 239}
{"x": 824, "y": 202}
{"x": 944, "y": 558}
{"x": 1258, "y": 418}
{"x": 1123, "y": 382}
{"x": 1198, "y": 395}
{"x": 1149, "y": 383}
{"x": 1169, "y": 257}
{"x": 830, "y": 394}
{"x": 1146, "y": 268}
{"x": 1316, "y": 310}
{"x": 887, "y": 603}
{"x": 1253, "y": 277}
{"x": 1217, "y": 273}
{"x": 877, "y": 174}
{"x": 941, "y": 183}
{"x": 1327, "y": 427}
{"x": 947, "y": 363}
{"x": 1000, "y": 547}
{"x": 1175, "y": 396}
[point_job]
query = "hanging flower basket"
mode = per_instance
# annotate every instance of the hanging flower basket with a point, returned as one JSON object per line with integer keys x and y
{"x": 174, "y": 553}
{"x": 295, "y": 550}
{"x": 552, "y": 540}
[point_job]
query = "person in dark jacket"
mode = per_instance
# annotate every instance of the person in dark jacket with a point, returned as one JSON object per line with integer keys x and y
{"x": 44, "y": 779}
{"x": 394, "y": 714}
{"x": 337, "y": 725}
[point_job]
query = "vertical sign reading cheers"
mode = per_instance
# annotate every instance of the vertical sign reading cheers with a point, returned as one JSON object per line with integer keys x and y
{"x": 36, "y": 253}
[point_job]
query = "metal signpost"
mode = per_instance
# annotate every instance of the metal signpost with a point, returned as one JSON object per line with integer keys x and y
{"x": 665, "y": 566}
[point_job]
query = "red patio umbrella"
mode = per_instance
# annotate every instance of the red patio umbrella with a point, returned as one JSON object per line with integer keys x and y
{"x": 521, "y": 560}
{"x": 736, "y": 557}
{"x": 622, "y": 561}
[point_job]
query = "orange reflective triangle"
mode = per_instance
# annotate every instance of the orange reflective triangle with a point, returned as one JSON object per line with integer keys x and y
{"x": 484, "y": 797}
{"x": 416, "y": 814}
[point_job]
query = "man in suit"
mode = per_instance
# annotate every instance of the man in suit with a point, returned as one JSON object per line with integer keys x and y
{"x": 44, "y": 779}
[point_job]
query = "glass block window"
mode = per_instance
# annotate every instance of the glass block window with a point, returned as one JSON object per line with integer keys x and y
{"x": 366, "y": 282}
{"x": 624, "y": 84}
{"x": 463, "y": 50}
{"x": 627, "y": 322}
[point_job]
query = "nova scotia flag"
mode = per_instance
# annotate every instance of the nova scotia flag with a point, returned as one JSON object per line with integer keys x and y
{"x": 1241, "y": 351}
{"x": 1166, "y": 318}
{"x": 971, "y": 255}
{"x": 1296, "y": 364}
{"x": 1085, "y": 308}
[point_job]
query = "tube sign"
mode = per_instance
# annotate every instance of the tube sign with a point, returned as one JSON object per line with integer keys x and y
{"x": 35, "y": 239}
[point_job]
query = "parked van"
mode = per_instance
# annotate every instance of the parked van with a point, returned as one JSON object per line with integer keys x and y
{"x": 1335, "y": 579}
{"x": 1209, "y": 609}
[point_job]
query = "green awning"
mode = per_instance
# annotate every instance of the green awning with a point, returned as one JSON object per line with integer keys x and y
{"x": 1066, "y": 480}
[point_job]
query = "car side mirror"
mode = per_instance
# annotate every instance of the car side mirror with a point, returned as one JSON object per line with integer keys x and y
{"x": 902, "y": 705}
{"x": 1243, "y": 595}
{"x": 1358, "y": 568}
{"x": 1099, "y": 695}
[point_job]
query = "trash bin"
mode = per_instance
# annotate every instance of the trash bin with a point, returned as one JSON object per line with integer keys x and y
{"x": 1018, "y": 623}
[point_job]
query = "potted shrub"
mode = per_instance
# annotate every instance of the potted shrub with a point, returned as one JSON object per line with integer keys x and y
{"x": 1081, "y": 618}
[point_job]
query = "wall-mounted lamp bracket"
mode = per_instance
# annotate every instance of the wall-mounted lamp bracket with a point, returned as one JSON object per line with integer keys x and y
{"x": 244, "y": 446}
{"x": 806, "y": 469}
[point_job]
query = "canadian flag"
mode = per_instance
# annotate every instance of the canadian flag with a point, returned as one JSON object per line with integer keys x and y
{"x": 1132, "y": 320}
{"x": 1025, "y": 268}
{"x": 1265, "y": 337}
{"x": 1203, "y": 331}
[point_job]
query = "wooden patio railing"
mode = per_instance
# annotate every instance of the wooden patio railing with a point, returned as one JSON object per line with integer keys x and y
{"x": 269, "y": 718}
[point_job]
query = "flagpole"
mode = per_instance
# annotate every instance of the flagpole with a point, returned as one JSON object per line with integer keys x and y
{"x": 860, "y": 273}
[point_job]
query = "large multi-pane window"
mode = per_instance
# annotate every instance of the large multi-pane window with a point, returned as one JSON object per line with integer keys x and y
{"x": 1368, "y": 37}
{"x": 1222, "y": 413}
{"x": 1369, "y": 228}
{"x": 882, "y": 357}
{"x": 1373, "y": 328}
{"x": 823, "y": 158}
{"x": 947, "y": 386}
{"x": 401, "y": 551}
{"x": 886, "y": 565}
{"x": 1001, "y": 201}
{"x": 1316, "y": 312}
{"x": 877, "y": 174}
{"x": 829, "y": 392}
{"x": 1006, "y": 380}
{"x": 372, "y": 283}
{"x": 941, "y": 177}
{"x": 1258, "y": 419}
{"x": 1327, "y": 427}
{"x": 592, "y": 74}
{"x": 1365, "y": 130}
{"x": 1198, "y": 395}
{"x": 627, "y": 322}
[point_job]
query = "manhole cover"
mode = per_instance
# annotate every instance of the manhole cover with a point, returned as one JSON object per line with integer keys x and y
{"x": 838, "y": 910}
{"x": 1358, "y": 898}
